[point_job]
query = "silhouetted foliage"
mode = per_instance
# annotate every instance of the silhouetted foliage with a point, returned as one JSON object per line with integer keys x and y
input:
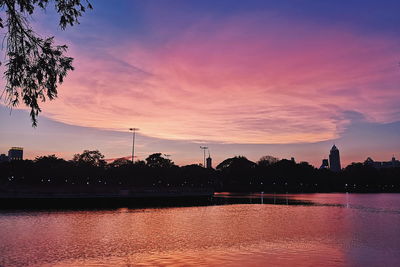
{"x": 157, "y": 161}
{"x": 267, "y": 160}
{"x": 88, "y": 171}
{"x": 120, "y": 162}
{"x": 90, "y": 158}
{"x": 235, "y": 163}
{"x": 35, "y": 65}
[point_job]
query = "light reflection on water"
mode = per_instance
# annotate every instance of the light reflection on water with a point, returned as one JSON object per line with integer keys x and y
{"x": 326, "y": 229}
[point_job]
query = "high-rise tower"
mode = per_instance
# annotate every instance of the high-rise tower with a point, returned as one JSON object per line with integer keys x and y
{"x": 15, "y": 153}
{"x": 209, "y": 161}
{"x": 334, "y": 159}
{"x": 209, "y": 164}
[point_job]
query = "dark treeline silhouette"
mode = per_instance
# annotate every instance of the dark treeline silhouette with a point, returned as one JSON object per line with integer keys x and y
{"x": 237, "y": 174}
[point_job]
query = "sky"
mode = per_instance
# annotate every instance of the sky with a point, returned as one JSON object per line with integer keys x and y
{"x": 251, "y": 78}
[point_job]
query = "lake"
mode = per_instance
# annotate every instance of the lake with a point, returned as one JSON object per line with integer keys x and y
{"x": 236, "y": 230}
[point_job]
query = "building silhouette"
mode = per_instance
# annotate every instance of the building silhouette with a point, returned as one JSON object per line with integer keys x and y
{"x": 325, "y": 164}
{"x": 15, "y": 153}
{"x": 334, "y": 159}
{"x": 209, "y": 162}
{"x": 382, "y": 164}
{"x": 395, "y": 162}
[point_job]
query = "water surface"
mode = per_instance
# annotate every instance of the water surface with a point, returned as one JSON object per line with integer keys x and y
{"x": 301, "y": 230}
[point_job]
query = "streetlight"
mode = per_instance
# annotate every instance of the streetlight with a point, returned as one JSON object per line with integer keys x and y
{"x": 133, "y": 141}
{"x": 204, "y": 150}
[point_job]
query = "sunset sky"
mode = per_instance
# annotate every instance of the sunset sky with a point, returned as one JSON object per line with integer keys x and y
{"x": 253, "y": 78}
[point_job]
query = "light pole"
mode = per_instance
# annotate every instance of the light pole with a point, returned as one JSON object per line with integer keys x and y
{"x": 204, "y": 152}
{"x": 133, "y": 141}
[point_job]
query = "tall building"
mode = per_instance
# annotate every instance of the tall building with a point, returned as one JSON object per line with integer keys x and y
{"x": 209, "y": 162}
{"x": 334, "y": 159}
{"x": 16, "y": 153}
{"x": 325, "y": 164}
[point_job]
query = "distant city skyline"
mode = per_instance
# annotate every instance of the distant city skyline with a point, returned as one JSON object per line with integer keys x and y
{"x": 333, "y": 163}
{"x": 253, "y": 78}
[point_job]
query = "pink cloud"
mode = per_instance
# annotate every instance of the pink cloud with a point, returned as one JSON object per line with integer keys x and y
{"x": 240, "y": 81}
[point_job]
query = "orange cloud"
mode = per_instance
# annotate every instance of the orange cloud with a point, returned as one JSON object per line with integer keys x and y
{"x": 240, "y": 81}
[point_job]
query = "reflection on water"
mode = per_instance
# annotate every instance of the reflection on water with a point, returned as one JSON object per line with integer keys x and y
{"x": 258, "y": 198}
{"x": 319, "y": 229}
{"x": 368, "y": 202}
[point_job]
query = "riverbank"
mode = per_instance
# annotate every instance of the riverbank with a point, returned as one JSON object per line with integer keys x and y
{"x": 101, "y": 196}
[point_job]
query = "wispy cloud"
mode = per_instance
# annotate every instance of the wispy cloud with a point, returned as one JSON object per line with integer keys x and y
{"x": 247, "y": 79}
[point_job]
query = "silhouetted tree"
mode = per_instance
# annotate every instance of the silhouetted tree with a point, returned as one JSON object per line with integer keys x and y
{"x": 120, "y": 162}
{"x": 87, "y": 170}
{"x": 50, "y": 169}
{"x": 157, "y": 161}
{"x": 195, "y": 174}
{"x": 35, "y": 65}
{"x": 267, "y": 160}
{"x": 90, "y": 158}
{"x": 237, "y": 162}
{"x": 357, "y": 174}
{"x": 140, "y": 164}
{"x": 49, "y": 160}
{"x": 237, "y": 172}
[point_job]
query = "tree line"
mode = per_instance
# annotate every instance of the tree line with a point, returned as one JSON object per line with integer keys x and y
{"x": 236, "y": 174}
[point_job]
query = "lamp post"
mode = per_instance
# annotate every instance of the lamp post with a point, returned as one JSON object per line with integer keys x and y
{"x": 204, "y": 152}
{"x": 133, "y": 141}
